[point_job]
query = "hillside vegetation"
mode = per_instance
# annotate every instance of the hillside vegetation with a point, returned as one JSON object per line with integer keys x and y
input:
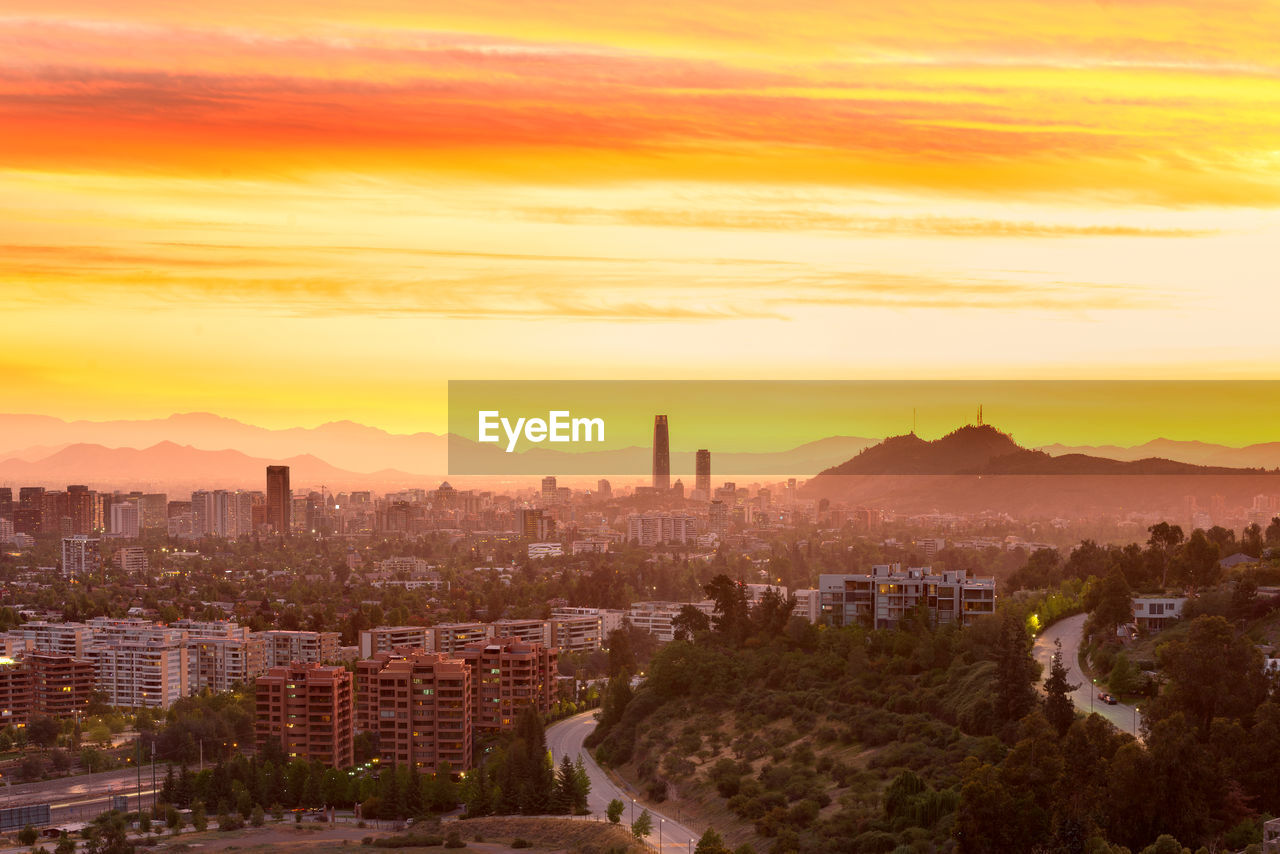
{"x": 793, "y": 738}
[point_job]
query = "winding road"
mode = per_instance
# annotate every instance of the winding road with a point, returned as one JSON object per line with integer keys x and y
{"x": 1070, "y": 631}
{"x": 565, "y": 738}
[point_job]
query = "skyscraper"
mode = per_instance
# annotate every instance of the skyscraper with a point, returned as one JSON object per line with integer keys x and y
{"x": 661, "y": 454}
{"x": 702, "y": 472}
{"x": 279, "y": 500}
{"x": 548, "y": 490}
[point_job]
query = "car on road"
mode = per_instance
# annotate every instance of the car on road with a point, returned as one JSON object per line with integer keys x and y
{"x": 1107, "y": 698}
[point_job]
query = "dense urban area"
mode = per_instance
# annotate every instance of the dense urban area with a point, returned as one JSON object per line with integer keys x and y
{"x": 760, "y": 670}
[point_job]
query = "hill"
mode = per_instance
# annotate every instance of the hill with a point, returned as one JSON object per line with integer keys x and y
{"x": 984, "y": 450}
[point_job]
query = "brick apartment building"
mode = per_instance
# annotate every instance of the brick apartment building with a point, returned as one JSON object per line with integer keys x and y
{"x": 419, "y": 704}
{"x": 307, "y": 709}
{"x": 44, "y": 684}
{"x": 506, "y": 675}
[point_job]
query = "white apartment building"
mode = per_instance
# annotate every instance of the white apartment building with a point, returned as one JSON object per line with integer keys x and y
{"x": 881, "y": 598}
{"x": 140, "y": 666}
{"x": 655, "y": 529}
{"x": 281, "y": 648}
{"x": 220, "y": 654}
{"x": 388, "y": 638}
{"x": 58, "y": 638}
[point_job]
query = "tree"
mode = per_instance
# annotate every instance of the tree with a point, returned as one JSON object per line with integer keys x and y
{"x": 642, "y": 826}
{"x": 1058, "y": 708}
{"x": 1224, "y": 538}
{"x": 730, "y": 618}
{"x": 66, "y": 845}
{"x": 1212, "y": 672}
{"x": 1273, "y": 532}
{"x": 1015, "y": 671}
{"x": 43, "y": 731}
{"x": 1114, "y": 608}
{"x": 28, "y": 835}
{"x": 689, "y": 623}
{"x": 1198, "y": 561}
{"x": 1251, "y": 540}
{"x": 108, "y": 835}
{"x": 199, "y": 818}
{"x": 1164, "y": 539}
{"x": 615, "y": 810}
{"x": 711, "y": 843}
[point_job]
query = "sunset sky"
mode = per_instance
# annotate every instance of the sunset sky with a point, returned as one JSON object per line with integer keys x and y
{"x": 290, "y": 213}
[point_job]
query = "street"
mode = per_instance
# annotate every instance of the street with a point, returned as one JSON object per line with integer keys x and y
{"x": 565, "y": 739}
{"x": 1070, "y": 631}
{"x": 81, "y": 798}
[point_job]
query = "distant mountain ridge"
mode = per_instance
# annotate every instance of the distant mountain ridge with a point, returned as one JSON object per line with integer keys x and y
{"x": 166, "y": 465}
{"x": 985, "y": 450}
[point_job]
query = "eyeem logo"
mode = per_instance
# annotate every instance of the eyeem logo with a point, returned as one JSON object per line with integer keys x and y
{"x": 558, "y": 426}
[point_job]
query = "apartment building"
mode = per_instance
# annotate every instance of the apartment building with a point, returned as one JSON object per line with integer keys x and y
{"x": 62, "y": 638}
{"x": 451, "y": 638}
{"x": 531, "y": 631}
{"x": 307, "y": 710}
{"x": 15, "y": 694}
{"x": 387, "y": 638}
{"x": 657, "y": 618}
{"x": 419, "y": 704}
{"x": 282, "y": 648}
{"x": 506, "y": 675}
{"x": 882, "y": 597}
{"x": 654, "y": 529}
{"x": 577, "y": 633}
{"x": 139, "y": 664}
{"x": 611, "y": 619}
{"x": 221, "y": 654}
{"x": 61, "y": 686}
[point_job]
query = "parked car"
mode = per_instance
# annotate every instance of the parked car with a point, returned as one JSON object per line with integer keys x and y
{"x": 1107, "y": 698}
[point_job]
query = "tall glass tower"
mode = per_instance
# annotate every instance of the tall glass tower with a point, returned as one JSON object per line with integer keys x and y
{"x": 661, "y": 453}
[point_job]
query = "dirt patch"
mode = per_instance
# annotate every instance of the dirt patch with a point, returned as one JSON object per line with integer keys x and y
{"x": 551, "y": 834}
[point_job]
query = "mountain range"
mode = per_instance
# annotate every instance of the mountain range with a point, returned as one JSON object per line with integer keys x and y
{"x": 205, "y": 450}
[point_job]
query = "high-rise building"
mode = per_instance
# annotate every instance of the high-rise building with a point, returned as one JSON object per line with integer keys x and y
{"x": 389, "y": 638}
{"x": 152, "y": 508}
{"x": 6, "y": 503}
{"x": 702, "y": 478}
{"x": 536, "y": 525}
{"x": 138, "y": 664}
{"x": 279, "y": 500}
{"x": 507, "y": 675}
{"x": 603, "y": 489}
{"x": 220, "y": 654}
{"x": 549, "y": 490}
{"x": 80, "y": 556}
{"x": 661, "y": 454}
{"x": 125, "y": 521}
{"x": 28, "y": 516}
{"x": 420, "y": 706}
{"x": 61, "y": 686}
{"x": 281, "y": 648}
{"x": 80, "y": 509}
{"x": 718, "y": 517}
{"x": 308, "y": 710}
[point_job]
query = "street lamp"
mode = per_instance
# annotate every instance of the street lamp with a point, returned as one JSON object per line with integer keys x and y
{"x": 1135, "y": 721}
{"x": 1091, "y": 693}
{"x": 660, "y": 823}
